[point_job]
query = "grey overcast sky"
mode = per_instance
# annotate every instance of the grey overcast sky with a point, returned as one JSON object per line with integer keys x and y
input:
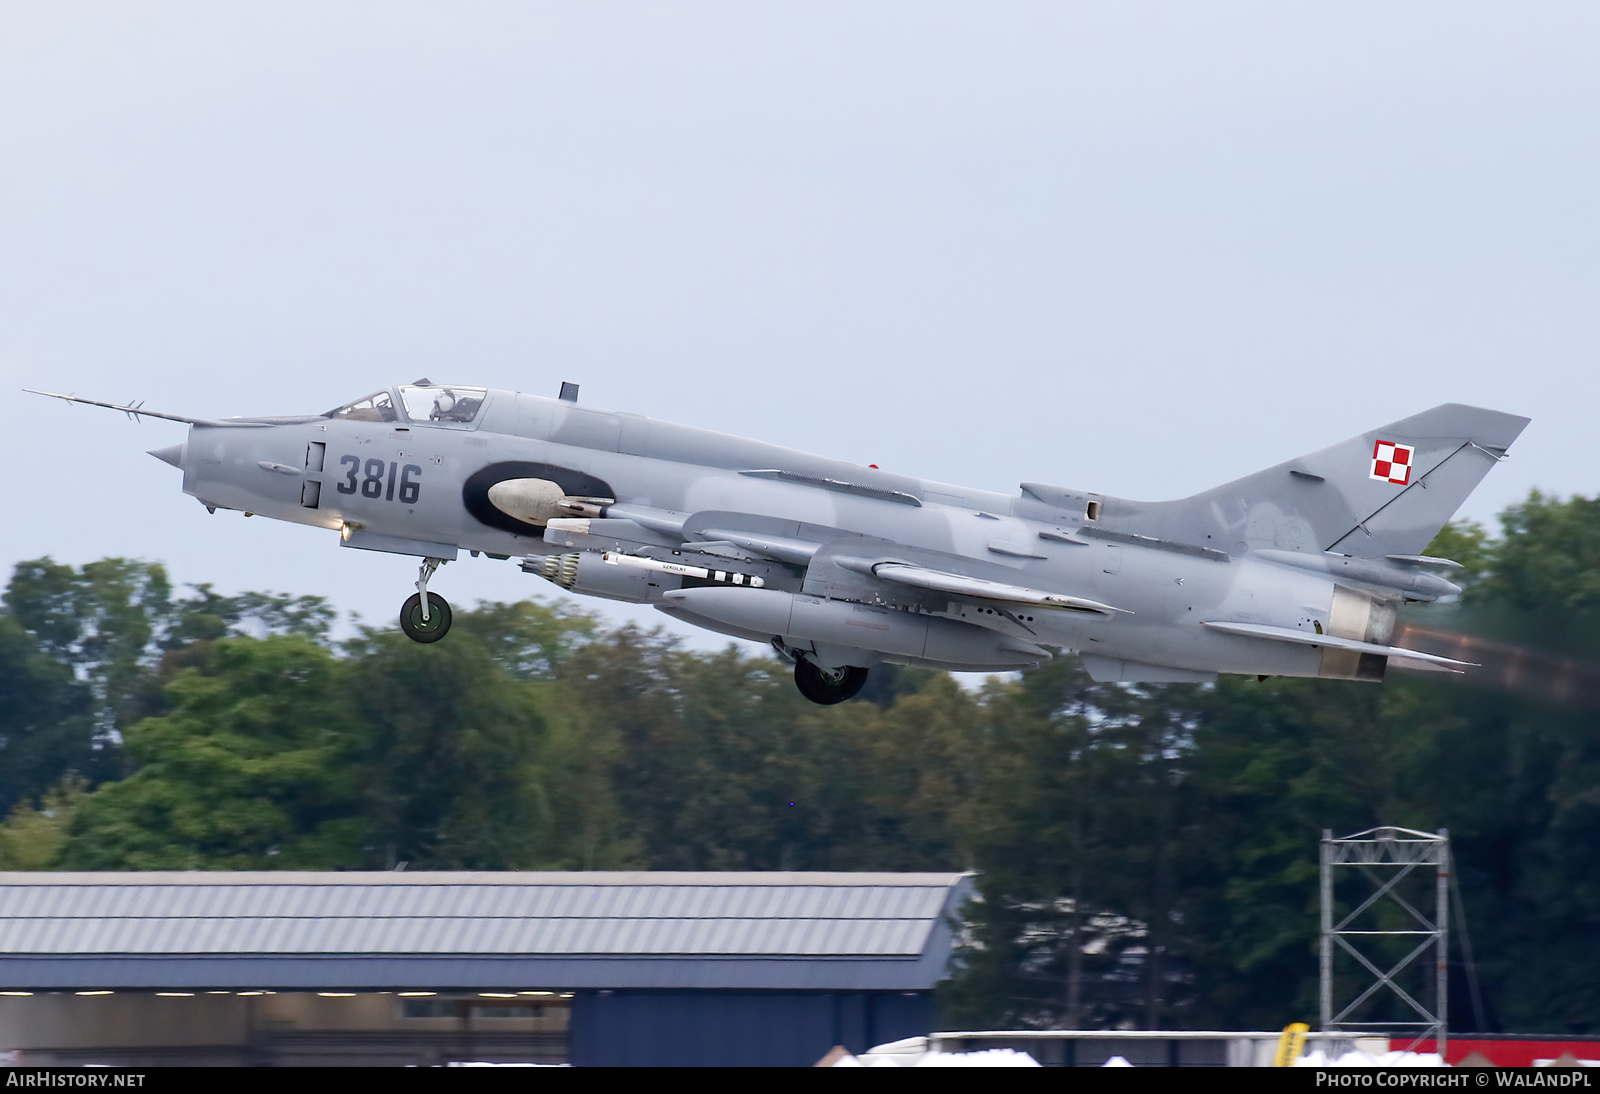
{"x": 1141, "y": 248}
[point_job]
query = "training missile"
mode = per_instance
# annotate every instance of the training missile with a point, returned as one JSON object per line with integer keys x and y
{"x": 638, "y": 562}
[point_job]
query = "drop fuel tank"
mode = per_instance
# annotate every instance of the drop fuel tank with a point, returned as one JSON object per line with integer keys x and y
{"x": 861, "y": 626}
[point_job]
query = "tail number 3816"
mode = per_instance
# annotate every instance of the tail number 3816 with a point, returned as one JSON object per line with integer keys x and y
{"x": 377, "y": 479}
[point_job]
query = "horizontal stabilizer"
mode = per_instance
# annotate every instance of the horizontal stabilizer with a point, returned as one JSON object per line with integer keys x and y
{"x": 937, "y": 581}
{"x": 1328, "y": 641}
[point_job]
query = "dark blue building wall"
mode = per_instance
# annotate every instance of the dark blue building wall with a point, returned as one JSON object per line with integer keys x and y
{"x": 638, "y": 1028}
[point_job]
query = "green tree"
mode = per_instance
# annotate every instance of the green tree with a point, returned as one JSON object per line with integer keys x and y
{"x": 698, "y": 770}
{"x": 713, "y": 761}
{"x": 1083, "y": 825}
{"x": 452, "y": 759}
{"x": 208, "y": 615}
{"x": 102, "y": 620}
{"x": 46, "y": 721}
{"x": 529, "y": 639}
{"x": 115, "y": 635}
{"x": 1466, "y": 542}
{"x": 1548, "y": 556}
{"x": 34, "y": 838}
{"x": 257, "y": 767}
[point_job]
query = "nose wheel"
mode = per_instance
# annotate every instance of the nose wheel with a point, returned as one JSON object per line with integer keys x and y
{"x": 425, "y": 616}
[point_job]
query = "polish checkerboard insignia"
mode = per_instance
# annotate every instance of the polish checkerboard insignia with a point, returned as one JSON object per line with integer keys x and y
{"x": 1391, "y": 462}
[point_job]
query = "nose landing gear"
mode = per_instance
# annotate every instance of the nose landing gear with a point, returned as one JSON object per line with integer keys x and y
{"x": 425, "y": 616}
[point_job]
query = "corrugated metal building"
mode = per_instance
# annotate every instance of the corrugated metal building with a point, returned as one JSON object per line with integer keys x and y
{"x": 593, "y": 967}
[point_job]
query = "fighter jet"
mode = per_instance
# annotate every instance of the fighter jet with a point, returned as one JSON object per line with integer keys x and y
{"x": 1293, "y": 571}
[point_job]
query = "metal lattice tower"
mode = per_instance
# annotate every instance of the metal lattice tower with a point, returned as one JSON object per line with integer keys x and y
{"x": 1386, "y": 857}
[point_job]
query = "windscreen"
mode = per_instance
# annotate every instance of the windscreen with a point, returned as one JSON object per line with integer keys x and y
{"x": 374, "y": 408}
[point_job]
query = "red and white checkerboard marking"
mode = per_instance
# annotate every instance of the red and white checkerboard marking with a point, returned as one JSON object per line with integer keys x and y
{"x": 1391, "y": 462}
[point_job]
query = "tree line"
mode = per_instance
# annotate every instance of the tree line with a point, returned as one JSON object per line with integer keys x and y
{"x": 1145, "y": 856}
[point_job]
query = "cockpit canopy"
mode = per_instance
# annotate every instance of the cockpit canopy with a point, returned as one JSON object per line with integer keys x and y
{"x": 442, "y": 403}
{"x": 422, "y": 401}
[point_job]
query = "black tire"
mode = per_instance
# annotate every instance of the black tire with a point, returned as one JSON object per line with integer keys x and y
{"x": 828, "y": 688}
{"x": 438, "y": 624}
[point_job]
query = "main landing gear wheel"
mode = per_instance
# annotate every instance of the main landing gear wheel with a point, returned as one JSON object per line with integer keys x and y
{"x": 418, "y": 629}
{"x": 828, "y": 688}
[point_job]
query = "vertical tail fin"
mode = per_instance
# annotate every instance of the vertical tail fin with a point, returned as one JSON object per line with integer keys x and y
{"x": 1386, "y": 492}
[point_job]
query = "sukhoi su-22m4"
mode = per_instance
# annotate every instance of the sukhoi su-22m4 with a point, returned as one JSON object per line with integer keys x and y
{"x": 1292, "y": 571}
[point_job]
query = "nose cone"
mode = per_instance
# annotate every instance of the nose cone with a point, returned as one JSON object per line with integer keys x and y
{"x": 172, "y": 454}
{"x": 532, "y": 500}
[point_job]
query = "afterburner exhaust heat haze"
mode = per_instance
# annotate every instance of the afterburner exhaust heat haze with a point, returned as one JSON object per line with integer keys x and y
{"x": 1293, "y": 571}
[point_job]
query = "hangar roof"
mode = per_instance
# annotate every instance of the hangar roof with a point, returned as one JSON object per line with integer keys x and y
{"x": 546, "y": 929}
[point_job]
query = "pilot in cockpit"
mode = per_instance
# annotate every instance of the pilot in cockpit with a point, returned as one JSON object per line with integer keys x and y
{"x": 454, "y": 404}
{"x": 447, "y": 407}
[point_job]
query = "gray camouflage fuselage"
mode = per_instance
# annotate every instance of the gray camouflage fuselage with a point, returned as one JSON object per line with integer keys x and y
{"x": 1316, "y": 546}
